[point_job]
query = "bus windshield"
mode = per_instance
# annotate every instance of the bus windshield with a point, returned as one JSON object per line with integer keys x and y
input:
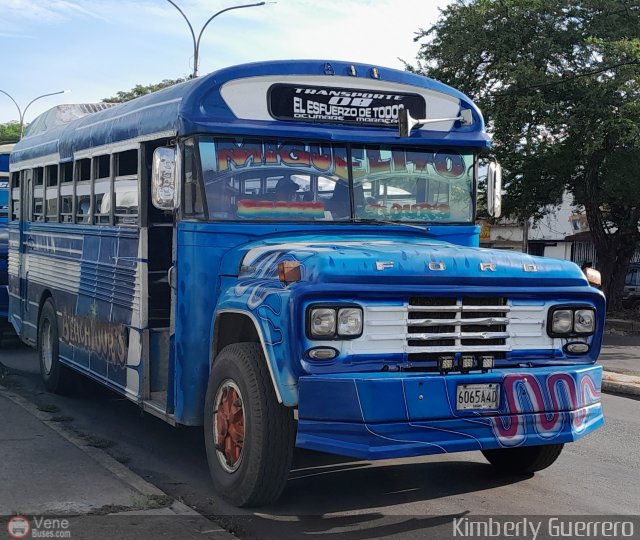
{"x": 250, "y": 179}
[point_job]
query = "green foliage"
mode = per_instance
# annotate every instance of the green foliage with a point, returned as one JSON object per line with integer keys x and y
{"x": 9, "y": 132}
{"x": 140, "y": 90}
{"x": 559, "y": 84}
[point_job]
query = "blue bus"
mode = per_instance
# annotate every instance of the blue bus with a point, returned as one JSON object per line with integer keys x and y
{"x": 286, "y": 253}
{"x": 5, "y": 150}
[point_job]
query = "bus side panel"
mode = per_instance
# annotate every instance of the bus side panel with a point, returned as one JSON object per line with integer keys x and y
{"x": 198, "y": 261}
{"x": 94, "y": 276}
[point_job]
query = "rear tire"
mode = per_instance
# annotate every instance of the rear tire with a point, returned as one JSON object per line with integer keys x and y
{"x": 249, "y": 436}
{"x": 525, "y": 460}
{"x": 56, "y": 377}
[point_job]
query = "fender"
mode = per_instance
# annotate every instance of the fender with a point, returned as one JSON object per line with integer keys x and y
{"x": 290, "y": 397}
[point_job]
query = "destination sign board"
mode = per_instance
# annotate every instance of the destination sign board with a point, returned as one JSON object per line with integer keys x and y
{"x": 292, "y": 102}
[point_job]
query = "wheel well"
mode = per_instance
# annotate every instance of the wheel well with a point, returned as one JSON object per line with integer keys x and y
{"x": 233, "y": 328}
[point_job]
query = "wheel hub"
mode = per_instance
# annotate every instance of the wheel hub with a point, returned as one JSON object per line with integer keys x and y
{"x": 228, "y": 425}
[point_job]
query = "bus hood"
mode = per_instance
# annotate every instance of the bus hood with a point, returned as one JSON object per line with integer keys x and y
{"x": 390, "y": 259}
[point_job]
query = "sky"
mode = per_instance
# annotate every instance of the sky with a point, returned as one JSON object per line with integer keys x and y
{"x": 95, "y": 48}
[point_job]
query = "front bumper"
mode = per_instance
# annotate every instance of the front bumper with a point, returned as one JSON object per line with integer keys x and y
{"x": 389, "y": 415}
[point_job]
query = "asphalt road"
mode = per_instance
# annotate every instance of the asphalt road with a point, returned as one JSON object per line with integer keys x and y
{"x": 621, "y": 354}
{"x": 333, "y": 497}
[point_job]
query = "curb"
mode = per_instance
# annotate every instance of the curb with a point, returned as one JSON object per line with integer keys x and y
{"x": 116, "y": 468}
{"x": 618, "y": 383}
{"x": 623, "y": 325}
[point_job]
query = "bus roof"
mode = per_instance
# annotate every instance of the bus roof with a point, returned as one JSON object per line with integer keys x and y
{"x": 241, "y": 100}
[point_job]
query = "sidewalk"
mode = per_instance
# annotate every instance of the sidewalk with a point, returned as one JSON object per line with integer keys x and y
{"x": 48, "y": 472}
{"x": 622, "y": 369}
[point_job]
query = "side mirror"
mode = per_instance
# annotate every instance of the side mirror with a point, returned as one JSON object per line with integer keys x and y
{"x": 164, "y": 188}
{"x": 494, "y": 189}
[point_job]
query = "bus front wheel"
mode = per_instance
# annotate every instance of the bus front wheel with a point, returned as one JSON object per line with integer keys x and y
{"x": 249, "y": 436}
{"x": 55, "y": 376}
{"x": 524, "y": 460}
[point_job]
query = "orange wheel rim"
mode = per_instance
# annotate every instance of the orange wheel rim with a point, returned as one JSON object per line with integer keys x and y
{"x": 228, "y": 425}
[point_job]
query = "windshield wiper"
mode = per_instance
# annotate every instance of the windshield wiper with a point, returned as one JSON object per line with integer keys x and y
{"x": 388, "y": 222}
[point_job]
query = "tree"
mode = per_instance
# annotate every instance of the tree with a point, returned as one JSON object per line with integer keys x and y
{"x": 559, "y": 84}
{"x": 140, "y": 90}
{"x": 9, "y": 132}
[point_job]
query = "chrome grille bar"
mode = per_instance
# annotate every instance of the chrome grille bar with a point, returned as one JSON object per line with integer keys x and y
{"x": 461, "y": 322}
{"x": 458, "y": 331}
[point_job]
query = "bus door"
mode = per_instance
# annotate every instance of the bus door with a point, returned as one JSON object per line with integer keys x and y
{"x": 25, "y": 244}
{"x": 160, "y": 231}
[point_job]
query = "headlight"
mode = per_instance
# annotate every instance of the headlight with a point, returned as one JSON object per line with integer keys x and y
{"x": 323, "y": 322}
{"x": 567, "y": 321}
{"x": 562, "y": 321}
{"x": 329, "y": 322}
{"x": 585, "y": 321}
{"x": 349, "y": 322}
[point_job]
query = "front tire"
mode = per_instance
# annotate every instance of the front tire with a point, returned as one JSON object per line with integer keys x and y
{"x": 524, "y": 460}
{"x": 55, "y": 376}
{"x": 249, "y": 436}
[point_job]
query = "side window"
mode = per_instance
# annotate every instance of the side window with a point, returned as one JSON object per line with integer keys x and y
{"x": 66, "y": 192}
{"x": 633, "y": 278}
{"x": 83, "y": 190}
{"x": 15, "y": 196}
{"x": 27, "y": 186}
{"x": 125, "y": 188}
{"x": 51, "y": 193}
{"x": 192, "y": 183}
{"x": 102, "y": 189}
{"x": 38, "y": 194}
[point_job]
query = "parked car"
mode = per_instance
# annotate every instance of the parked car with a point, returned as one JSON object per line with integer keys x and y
{"x": 631, "y": 295}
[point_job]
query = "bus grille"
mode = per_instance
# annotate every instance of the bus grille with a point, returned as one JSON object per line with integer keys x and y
{"x": 449, "y": 325}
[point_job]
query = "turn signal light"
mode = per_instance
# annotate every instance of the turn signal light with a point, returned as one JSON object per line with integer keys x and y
{"x": 322, "y": 353}
{"x": 289, "y": 271}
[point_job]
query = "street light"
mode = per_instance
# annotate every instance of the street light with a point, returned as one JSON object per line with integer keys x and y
{"x": 196, "y": 42}
{"x": 22, "y": 113}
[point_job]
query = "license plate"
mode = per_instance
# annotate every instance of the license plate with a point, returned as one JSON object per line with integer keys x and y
{"x": 477, "y": 396}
